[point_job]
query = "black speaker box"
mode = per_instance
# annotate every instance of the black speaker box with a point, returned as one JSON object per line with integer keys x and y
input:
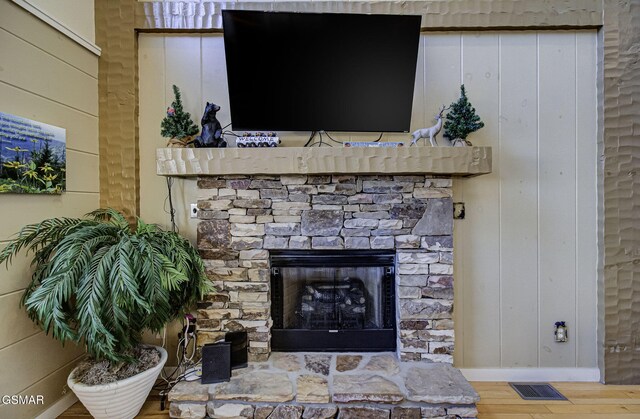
{"x": 216, "y": 362}
{"x": 239, "y": 342}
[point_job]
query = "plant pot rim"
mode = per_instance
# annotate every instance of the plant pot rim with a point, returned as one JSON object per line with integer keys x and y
{"x": 73, "y": 384}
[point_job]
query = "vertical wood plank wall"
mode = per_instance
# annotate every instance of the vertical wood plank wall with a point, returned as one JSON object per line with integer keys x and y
{"x": 46, "y": 77}
{"x": 525, "y": 256}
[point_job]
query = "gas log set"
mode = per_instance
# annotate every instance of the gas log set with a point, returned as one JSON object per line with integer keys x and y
{"x": 340, "y": 305}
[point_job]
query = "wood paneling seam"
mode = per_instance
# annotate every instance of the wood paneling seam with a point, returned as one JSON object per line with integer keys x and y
{"x": 93, "y": 76}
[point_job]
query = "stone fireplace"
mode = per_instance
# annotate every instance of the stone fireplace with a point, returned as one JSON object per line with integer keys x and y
{"x": 247, "y": 218}
{"x": 378, "y": 217}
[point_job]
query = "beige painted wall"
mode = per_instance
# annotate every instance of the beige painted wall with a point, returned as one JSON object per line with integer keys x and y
{"x": 49, "y": 78}
{"x": 526, "y": 253}
{"x": 77, "y": 15}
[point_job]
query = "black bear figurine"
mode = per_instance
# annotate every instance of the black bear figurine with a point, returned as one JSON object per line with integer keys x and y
{"x": 211, "y": 135}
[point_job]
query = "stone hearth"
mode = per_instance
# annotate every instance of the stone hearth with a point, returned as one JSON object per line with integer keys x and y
{"x": 244, "y": 217}
{"x": 321, "y": 385}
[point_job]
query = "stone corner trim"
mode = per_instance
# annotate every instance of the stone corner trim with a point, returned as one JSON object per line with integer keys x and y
{"x": 450, "y": 161}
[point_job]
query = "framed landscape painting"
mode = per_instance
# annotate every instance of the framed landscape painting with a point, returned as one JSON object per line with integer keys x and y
{"x": 32, "y": 156}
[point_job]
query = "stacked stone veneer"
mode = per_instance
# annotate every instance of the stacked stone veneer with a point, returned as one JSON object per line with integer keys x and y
{"x": 244, "y": 217}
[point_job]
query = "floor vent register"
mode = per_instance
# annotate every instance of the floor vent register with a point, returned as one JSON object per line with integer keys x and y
{"x": 537, "y": 391}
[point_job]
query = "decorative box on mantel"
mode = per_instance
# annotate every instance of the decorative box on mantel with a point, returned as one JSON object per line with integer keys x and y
{"x": 397, "y": 201}
{"x": 450, "y": 161}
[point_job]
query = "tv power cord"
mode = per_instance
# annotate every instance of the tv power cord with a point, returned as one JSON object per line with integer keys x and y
{"x": 188, "y": 368}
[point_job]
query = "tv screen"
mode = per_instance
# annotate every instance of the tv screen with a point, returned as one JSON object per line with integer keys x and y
{"x": 320, "y": 71}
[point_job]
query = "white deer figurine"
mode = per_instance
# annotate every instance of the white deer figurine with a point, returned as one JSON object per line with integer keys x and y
{"x": 430, "y": 132}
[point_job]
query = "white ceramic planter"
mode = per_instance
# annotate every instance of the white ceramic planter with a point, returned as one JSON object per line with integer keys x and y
{"x": 119, "y": 400}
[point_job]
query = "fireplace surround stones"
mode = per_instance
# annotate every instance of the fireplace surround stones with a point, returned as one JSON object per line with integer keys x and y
{"x": 245, "y": 217}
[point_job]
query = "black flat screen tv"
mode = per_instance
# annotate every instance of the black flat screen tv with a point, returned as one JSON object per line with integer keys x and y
{"x": 320, "y": 71}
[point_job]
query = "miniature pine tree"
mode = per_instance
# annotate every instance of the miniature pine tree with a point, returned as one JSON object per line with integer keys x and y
{"x": 461, "y": 119}
{"x": 177, "y": 123}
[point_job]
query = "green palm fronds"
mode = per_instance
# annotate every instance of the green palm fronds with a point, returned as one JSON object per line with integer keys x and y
{"x": 100, "y": 281}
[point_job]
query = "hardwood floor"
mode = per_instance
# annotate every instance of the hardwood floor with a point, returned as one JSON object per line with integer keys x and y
{"x": 586, "y": 401}
{"x": 499, "y": 401}
{"x": 150, "y": 410}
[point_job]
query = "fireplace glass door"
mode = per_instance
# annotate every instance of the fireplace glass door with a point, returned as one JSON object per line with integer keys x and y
{"x": 333, "y": 301}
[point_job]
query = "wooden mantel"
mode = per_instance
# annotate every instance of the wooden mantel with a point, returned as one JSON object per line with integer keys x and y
{"x": 453, "y": 161}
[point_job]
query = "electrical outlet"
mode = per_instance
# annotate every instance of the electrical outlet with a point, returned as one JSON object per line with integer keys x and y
{"x": 561, "y": 333}
{"x": 194, "y": 211}
{"x": 458, "y": 210}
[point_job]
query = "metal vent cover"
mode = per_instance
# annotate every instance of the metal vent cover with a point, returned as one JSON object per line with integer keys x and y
{"x": 537, "y": 391}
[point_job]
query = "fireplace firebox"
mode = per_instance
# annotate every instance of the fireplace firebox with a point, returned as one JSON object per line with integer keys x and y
{"x": 333, "y": 300}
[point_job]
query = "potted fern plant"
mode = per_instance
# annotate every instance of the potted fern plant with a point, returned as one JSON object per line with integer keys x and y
{"x": 101, "y": 282}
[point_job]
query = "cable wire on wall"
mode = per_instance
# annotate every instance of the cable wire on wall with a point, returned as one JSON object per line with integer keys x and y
{"x": 171, "y": 211}
{"x": 321, "y": 142}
